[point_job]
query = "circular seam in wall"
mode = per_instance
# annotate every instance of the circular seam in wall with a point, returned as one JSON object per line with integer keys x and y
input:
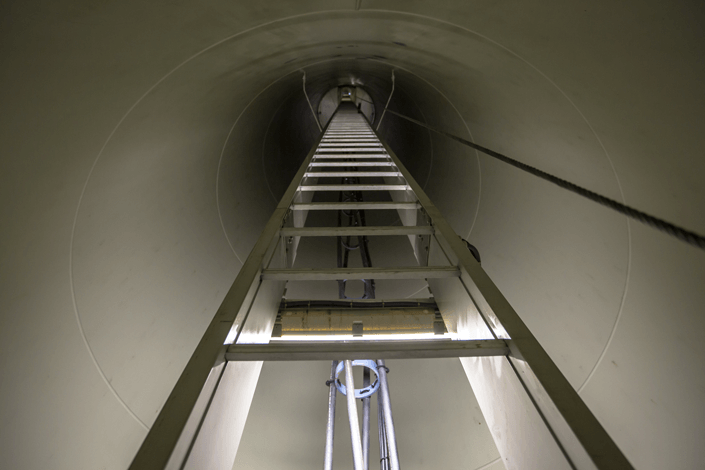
{"x": 609, "y": 159}
{"x": 264, "y": 144}
{"x": 489, "y": 464}
{"x": 222, "y": 152}
{"x": 430, "y": 137}
{"x": 492, "y": 462}
{"x": 477, "y": 155}
{"x": 264, "y": 141}
{"x": 85, "y": 186}
{"x": 414, "y": 293}
{"x": 430, "y": 165}
{"x": 279, "y": 20}
{"x": 278, "y": 108}
{"x": 95, "y": 162}
{"x": 227, "y": 138}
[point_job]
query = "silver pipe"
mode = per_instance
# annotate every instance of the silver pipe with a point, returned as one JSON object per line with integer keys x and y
{"x": 330, "y": 428}
{"x": 352, "y": 417}
{"x": 383, "y": 454}
{"x": 366, "y": 421}
{"x": 388, "y": 420}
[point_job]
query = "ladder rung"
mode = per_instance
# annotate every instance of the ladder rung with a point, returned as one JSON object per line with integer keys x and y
{"x": 384, "y": 163}
{"x": 352, "y": 149}
{"x": 355, "y": 187}
{"x": 357, "y": 304}
{"x": 349, "y": 135}
{"x": 338, "y": 350}
{"x": 353, "y": 174}
{"x": 355, "y": 231}
{"x": 319, "y": 156}
{"x": 328, "y": 142}
{"x": 372, "y": 205}
{"x": 350, "y": 139}
{"x": 328, "y": 145}
{"x": 416, "y": 272}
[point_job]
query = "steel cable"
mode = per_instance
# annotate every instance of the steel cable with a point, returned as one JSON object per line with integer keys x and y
{"x": 680, "y": 233}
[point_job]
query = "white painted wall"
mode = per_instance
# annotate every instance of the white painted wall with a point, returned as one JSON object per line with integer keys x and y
{"x": 116, "y": 202}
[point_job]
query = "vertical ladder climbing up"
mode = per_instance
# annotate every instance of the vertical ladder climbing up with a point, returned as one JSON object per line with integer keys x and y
{"x": 350, "y": 149}
{"x": 536, "y": 417}
{"x": 350, "y": 141}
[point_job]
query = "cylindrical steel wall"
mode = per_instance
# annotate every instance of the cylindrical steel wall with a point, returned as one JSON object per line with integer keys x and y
{"x": 144, "y": 146}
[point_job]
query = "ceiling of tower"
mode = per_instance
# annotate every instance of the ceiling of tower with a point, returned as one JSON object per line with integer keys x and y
{"x": 145, "y": 144}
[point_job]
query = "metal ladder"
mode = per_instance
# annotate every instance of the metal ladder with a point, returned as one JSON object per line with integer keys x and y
{"x": 508, "y": 369}
{"x": 350, "y": 141}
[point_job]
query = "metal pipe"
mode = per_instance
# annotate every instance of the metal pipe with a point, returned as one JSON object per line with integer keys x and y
{"x": 352, "y": 417}
{"x": 388, "y": 420}
{"x": 366, "y": 421}
{"x": 330, "y": 428}
{"x": 383, "y": 453}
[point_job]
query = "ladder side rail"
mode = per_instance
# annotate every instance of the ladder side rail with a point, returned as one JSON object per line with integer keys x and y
{"x": 226, "y": 380}
{"x": 163, "y": 436}
{"x": 409, "y": 217}
{"x": 555, "y": 399}
{"x": 298, "y": 218}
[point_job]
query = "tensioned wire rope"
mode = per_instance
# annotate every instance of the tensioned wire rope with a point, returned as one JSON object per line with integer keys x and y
{"x": 673, "y": 230}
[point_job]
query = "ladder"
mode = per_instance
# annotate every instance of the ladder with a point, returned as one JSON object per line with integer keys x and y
{"x": 510, "y": 373}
